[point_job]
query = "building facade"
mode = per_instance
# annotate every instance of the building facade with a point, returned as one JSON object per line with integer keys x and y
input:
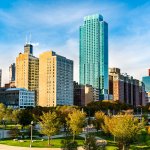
{"x": 0, "y": 77}
{"x": 83, "y": 94}
{"x": 126, "y": 89}
{"x": 12, "y": 70}
{"x": 27, "y": 70}
{"x": 146, "y": 81}
{"x": 17, "y": 97}
{"x": 94, "y": 55}
{"x": 55, "y": 80}
{"x": 10, "y": 85}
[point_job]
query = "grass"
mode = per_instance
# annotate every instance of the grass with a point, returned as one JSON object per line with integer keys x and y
{"x": 142, "y": 143}
{"x": 55, "y": 143}
{"x": 10, "y": 126}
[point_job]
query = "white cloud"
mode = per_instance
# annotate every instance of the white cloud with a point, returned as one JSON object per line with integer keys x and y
{"x": 7, "y": 58}
{"x": 70, "y": 50}
{"x": 131, "y": 54}
{"x": 35, "y": 44}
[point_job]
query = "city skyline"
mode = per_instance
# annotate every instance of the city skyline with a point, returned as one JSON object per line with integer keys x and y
{"x": 55, "y": 27}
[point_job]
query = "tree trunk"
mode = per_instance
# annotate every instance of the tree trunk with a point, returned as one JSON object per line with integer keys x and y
{"x": 73, "y": 137}
{"x": 48, "y": 140}
{"x": 123, "y": 148}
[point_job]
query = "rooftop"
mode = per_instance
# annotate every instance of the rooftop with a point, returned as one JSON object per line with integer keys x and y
{"x": 94, "y": 16}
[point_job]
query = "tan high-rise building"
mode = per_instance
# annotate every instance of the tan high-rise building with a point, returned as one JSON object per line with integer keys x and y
{"x": 55, "y": 80}
{"x": 27, "y": 71}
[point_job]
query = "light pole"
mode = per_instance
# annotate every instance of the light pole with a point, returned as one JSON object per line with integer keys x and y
{"x": 3, "y": 127}
{"x": 141, "y": 113}
{"x": 31, "y": 134}
{"x": 137, "y": 110}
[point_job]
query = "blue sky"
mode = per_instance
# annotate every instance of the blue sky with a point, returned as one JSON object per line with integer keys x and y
{"x": 54, "y": 25}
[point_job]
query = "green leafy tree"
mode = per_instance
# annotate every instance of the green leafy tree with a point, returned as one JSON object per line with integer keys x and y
{"x": 2, "y": 111}
{"x": 91, "y": 143}
{"x": 14, "y": 133}
{"x": 8, "y": 114}
{"x": 76, "y": 121}
{"x": 63, "y": 112}
{"x": 99, "y": 119}
{"x": 24, "y": 118}
{"x": 15, "y": 114}
{"x": 49, "y": 124}
{"x": 125, "y": 128}
{"x": 67, "y": 144}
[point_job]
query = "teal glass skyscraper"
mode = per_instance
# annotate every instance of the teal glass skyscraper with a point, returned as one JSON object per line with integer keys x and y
{"x": 94, "y": 55}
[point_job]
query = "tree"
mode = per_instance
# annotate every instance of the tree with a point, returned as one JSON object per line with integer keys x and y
{"x": 2, "y": 111}
{"x": 124, "y": 127}
{"x": 8, "y": 114}
{"x": 76, "y": 121}
{"x": 67, "y": 144}
{"x": 49, "y": 124}
{"x": 24, "y": 117}
{"x": 148, "y": 130}
{"x": 105, "y": 125}
{"x": 91, "y": 143}
{"x": 14, "y": 132}
{"x": 63, "y": 112}
{"x": 15, "y": 114}
{"x": 99, "y": 119}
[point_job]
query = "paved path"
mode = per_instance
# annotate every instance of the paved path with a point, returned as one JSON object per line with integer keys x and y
{"x": 6, "y": 147}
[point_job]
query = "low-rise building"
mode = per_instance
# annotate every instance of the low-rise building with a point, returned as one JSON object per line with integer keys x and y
{"x": 83, "y": 94}
{"x": 17, "y": 97}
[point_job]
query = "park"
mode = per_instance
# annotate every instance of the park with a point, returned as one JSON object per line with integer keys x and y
{"x": 71, "y": 127}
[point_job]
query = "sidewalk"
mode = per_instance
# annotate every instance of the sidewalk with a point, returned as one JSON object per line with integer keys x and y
{"x": 6, "y": 147}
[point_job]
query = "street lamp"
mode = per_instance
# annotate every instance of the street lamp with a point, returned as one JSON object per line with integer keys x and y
{"x": 137, "y": 110}
{"x": 141, "y": 110}
{"x": 31, "y": 134}
{"x": 141, "y": 113}
{"x": 3, "y": 127}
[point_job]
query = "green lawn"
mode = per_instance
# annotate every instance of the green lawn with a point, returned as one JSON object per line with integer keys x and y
{"x": 55, "y": 143}
{"x": 142, "y": 143}
{"x": 9, "y": 126}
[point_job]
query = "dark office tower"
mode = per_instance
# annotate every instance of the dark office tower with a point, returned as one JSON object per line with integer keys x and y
{"x": 0, "y": 77}
{"x": 28, "y": 48}
{"x": 94, "y": 55}
{"x": 12, "y": 69}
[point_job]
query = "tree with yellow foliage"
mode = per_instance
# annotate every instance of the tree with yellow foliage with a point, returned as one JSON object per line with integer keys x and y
{"x": 99, "y": 119}
{"x": 50, "y": 124}
{"x": 76, "y": 121}
{"x": 124, "y": 127}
